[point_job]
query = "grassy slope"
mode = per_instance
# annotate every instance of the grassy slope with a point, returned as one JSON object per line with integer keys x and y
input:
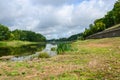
{"x": 90, "y": 60}
{"x": 14, "y": 43}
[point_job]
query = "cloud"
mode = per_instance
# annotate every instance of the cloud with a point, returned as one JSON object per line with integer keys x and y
{"x": 52, "y": 18}
{"x": 55, "y": 2}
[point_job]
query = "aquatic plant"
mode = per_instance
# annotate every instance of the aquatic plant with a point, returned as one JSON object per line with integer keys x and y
{"x": 63, "y": 47}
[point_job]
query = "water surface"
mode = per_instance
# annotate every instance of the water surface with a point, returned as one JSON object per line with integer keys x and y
{"x": 27, "y": 52}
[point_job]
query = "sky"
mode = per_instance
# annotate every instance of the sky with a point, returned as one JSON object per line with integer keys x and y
{"x": 52, "y": 18}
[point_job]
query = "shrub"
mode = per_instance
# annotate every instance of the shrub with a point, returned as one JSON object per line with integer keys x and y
{"x": 53, "y": 49}
{"x": 44, "y": 55}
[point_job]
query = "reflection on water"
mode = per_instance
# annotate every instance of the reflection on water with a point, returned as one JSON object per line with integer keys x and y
{"x": 27, "y": 52}
{"x": 49, "y": 51}
{"x": 21, "y": 51}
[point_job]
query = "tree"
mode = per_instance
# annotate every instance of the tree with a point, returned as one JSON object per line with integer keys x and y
{"x": 4, "y": 33}
{"x": 100, "y": 26}
{"x": 116, "y": 11}
{"x": 25, "y": 35}
{"x": 109, "y": 19}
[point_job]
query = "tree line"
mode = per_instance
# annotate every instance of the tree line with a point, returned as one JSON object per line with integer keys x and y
{"x": 23, "y": 35}
{"x": 71, "y": 38}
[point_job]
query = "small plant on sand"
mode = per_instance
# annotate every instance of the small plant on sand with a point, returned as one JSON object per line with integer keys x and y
{"x": 44, "y": 55}
{"x": 13, "y": 73}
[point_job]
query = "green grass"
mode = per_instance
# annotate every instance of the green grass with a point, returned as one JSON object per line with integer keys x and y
{"x": 53, "y": 49}
{"x": 15, "y": 43}
{"x": 2, "y": 44}
{"x": 44, "y": 55}
{"x": 65, "y": 76}
{"x": 95, "y": 59}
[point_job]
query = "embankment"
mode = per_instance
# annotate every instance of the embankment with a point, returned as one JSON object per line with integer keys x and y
{"x": 112, "y": 32}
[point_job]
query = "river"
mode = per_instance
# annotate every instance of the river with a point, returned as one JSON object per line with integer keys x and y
{"x": 26, "y": 52}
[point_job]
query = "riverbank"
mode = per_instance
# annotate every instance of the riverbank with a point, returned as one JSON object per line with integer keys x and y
{"x": 15, "y": 43}
{"x": 95, "y": 59}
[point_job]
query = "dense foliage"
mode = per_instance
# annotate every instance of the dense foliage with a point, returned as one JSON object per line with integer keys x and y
{"x": 4, "y": 33}
{"x": 23, "y": 35}
{"x": 75, "y": 37}
{"x": 110, "y": 19}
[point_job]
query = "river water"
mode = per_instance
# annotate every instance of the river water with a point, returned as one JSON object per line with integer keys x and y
{"x": 27, "y": 52}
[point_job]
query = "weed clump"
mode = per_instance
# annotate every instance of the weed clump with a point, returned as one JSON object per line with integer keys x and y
{"x": 53, "y": 49}
{"x": 44, "y": 55}
{"x": 63, "y": 47}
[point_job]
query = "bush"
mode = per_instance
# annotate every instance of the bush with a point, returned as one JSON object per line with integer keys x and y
{"x": 53, "y": 49}
{"x": 63, "y": 47}
{"x": 44, "y": 55}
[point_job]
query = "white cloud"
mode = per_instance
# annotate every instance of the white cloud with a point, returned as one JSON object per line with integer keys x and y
{"x": 55, "y": 2}
{"x": 52, "y": 18}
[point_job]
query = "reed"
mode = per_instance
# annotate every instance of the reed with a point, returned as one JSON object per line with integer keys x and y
{"x": 63, "y": 47}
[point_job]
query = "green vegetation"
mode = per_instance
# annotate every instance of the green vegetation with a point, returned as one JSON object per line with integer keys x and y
{"x": 13, "y": 73}
{"x": 62, "y": 47}
{"x": 15, "y": 43}
{"x": 92, "y": 60}
{"x": 44, "y": 55}
{"x": 75, "y": 37}
{"x": 4, "y": 33}
{"x": 27, "y": 36}
{"x": 53, "y": 49}
{"x": 113, "y": 27}
{"x": 23, "y": 35}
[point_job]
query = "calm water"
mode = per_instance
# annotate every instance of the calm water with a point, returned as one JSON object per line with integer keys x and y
{"x": 27, "y": 52}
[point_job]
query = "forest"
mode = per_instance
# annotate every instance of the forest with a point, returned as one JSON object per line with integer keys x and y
{"x": 23, "y": 35}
